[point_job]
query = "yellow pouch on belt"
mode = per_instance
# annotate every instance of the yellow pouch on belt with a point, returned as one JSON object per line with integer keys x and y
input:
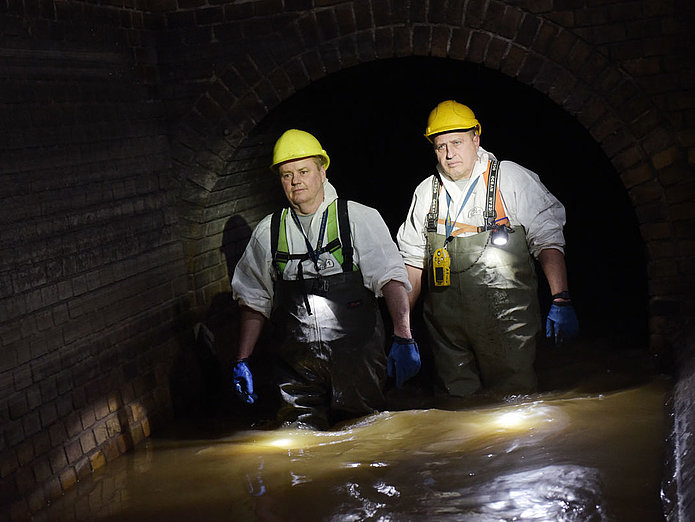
{"x": 441, "y": 265}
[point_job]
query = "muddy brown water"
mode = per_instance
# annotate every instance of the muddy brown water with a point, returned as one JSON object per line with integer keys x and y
{"x": 589, "y": 448}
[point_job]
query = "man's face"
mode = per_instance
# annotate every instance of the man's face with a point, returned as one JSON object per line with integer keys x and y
{"x": 457, "y": 153}
{"x": 302, "y": 180}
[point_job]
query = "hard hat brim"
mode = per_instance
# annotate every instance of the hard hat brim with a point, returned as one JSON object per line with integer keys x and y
{"x": 325, "y": 160}
{"x": 432, "y": 135}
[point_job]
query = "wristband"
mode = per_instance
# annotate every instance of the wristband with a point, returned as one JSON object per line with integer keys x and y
{"x": 565, "y": 294}
{"x": 403, "y": 340}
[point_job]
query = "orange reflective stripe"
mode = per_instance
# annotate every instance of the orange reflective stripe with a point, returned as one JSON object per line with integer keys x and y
{"x": 460, "y": 227}
{"x": 499, "y": 207}
{"x": 486, "y": 174}
{"x": 464, "y": 229}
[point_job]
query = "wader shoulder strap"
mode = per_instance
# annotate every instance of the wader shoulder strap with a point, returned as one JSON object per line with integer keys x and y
{"x": 490, "y": 213}
{"x": 493, "y": 200}
{"x": 341, "y": 248}
{"x": 340, "y": 244}
{"x": 345, "y": 238}
{"x": 433, "y": 214}
{"x": 279, "y": 259}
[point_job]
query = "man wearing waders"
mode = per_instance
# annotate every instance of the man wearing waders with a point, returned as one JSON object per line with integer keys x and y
{"x": 474, "y": 227}
{"x": 315, "y": 269}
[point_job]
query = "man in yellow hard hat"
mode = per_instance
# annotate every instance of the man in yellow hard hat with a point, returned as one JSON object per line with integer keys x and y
{"x": 316, "y": 269}
{"x": 468, "y": 242}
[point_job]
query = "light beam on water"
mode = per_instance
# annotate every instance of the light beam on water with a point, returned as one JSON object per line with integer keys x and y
{"x": 545, "y": 457}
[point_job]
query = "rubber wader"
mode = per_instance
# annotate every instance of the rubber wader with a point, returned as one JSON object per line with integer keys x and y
{"x": 332, "y": 363}
{"x": 484, "y": 325}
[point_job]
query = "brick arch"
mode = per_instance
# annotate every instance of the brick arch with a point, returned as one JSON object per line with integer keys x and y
{"x": 213, "y": 145}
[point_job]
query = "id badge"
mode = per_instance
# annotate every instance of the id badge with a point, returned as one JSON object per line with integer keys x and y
{"x": 441, "y": 265}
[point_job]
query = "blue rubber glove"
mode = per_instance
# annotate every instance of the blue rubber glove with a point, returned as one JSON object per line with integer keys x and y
{"x": 562, "y": 324}
{"x": 243, "y": 382}
{"x": 403, "y": 360}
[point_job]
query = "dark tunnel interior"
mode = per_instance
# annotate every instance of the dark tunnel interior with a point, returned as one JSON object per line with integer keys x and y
{"x": 371, "y": 119}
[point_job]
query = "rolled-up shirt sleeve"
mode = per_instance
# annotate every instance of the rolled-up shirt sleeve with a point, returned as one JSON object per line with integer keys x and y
{"x": 252, "y": 283}
{"x": 376, "y": 253}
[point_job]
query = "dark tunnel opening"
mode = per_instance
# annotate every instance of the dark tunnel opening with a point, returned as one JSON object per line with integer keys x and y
{"x": 371, "y": 119}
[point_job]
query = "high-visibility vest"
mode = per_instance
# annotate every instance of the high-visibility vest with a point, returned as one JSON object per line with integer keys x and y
{"x": 339, "y": 245}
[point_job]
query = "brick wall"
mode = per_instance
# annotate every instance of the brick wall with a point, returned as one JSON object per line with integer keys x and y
{"x": 134, "y": 147}
{"x": 92, "y": 275}
{"x": 621, "y": 69}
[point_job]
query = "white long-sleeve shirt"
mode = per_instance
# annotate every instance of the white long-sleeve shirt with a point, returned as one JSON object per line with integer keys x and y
{"x": 375, "y": 253}
{"x": 526, "y": 200}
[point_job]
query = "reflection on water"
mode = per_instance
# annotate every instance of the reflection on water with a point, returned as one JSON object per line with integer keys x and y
{"x": 549, "y": 457}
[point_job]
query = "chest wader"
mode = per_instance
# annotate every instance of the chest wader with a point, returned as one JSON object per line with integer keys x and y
{"x": 484, "y": 325}
{"x": 331, "y": 363}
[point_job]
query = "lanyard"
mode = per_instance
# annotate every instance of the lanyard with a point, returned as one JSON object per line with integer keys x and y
{"x": 448, "y": 224}
{"x": 313, "y": 253}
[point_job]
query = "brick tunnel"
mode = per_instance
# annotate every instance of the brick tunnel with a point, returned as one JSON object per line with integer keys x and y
{"x": 135, "y": 152}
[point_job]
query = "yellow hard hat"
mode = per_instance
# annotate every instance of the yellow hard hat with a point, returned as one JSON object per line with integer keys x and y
{"x": 296, "y": 144}
{"x": 450, "y": 116}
